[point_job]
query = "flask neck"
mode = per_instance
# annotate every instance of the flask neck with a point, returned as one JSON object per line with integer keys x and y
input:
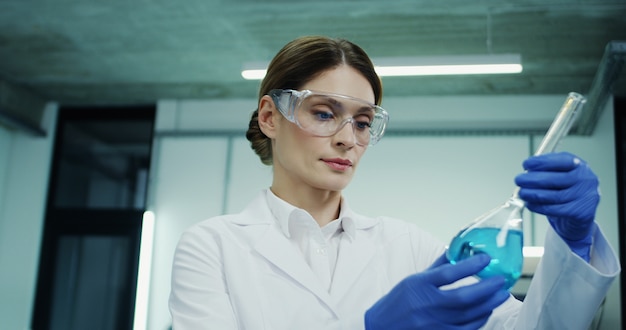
{"x": 515, "y": 200}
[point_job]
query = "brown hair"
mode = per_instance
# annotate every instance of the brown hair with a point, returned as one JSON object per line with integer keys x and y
{"x": 301, "y": 61}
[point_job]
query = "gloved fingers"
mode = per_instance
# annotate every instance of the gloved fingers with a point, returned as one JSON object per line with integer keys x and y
{"x": 462, "y": 318}
{"x": 449, "y": 273}
{"x": 485, "y": 292}
{"x": 445, "y": 324}
{"x": 472, "y": 310}
{"x": 476, "y": 324}
{"x": 582, "y": 208}
{"x": 558, "y": 179}
{"x": 579, "y": 191}
{"x": 546, "y": 180}
{"x": 559, "y": 161}
{"x": 417, "y": 302}
{"x": 442, "y": 260}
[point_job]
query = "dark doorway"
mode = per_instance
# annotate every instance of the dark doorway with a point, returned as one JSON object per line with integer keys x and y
{"x": 90, "y": 249}
{"x": 620, "y": 156}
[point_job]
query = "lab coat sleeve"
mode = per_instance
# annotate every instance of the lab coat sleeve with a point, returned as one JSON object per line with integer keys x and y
{"x": 566, "y": 291}
{"x": 199, "y": 298}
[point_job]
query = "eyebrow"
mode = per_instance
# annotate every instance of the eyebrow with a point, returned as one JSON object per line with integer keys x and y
{"x": 336, "y": 102}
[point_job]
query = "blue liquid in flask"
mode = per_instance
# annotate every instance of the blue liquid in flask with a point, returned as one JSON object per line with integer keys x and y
{"x": 506, "y": 260}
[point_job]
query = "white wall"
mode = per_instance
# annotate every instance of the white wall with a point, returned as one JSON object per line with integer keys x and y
{"x": 438, "y": 182}
{"x": 24, "y": 171}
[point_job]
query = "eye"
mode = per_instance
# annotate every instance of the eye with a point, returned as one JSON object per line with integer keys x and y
{"x": 362, "y": 125}
{"x": 363, "y": 122}
{"x": 323, "y": 115}
{"x": 321, "y": 112}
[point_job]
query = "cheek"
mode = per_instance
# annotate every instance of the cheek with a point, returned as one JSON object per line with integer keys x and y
{"x": 301, "y": 142}
{"x": 359, "y": 152}
{"x": 292, "y": 146}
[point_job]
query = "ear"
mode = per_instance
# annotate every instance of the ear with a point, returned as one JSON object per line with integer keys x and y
{"x": 269, "y": 117}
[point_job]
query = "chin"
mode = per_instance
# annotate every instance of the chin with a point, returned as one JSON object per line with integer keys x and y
{"x": 336, "y": 186}
{"x": 332, "y": 182}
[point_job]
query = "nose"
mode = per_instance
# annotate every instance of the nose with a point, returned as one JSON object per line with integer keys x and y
{"x": 345, "y": 134}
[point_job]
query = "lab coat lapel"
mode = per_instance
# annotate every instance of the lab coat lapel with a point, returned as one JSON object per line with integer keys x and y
{"x": 354, "y": 256}
{"x": 276, "y": 249}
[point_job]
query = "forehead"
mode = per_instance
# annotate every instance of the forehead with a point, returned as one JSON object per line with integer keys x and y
{"x": 343, "y": 80}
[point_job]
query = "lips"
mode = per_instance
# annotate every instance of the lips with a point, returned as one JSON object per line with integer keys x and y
{"x": 340, "y": 161}
{"x": 338, "y": 164}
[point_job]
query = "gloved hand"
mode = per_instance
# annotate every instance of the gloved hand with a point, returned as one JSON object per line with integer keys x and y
{"x": 417, "y": 302}
{"x": 562, "y": 187}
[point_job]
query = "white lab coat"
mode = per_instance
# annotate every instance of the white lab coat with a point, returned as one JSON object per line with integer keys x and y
{"x": 240, "y": 272}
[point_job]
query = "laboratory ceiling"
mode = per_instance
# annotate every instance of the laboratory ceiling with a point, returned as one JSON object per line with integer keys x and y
{"x": 138, "y": 51}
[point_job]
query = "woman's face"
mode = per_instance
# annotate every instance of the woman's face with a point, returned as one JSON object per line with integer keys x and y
{"x": 323, "y": 163}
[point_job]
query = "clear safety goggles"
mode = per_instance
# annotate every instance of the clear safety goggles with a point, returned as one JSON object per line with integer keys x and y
{"x": 324, "y": 114}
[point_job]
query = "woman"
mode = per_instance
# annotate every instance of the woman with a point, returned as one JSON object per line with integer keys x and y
{"x": 298, "y": 257}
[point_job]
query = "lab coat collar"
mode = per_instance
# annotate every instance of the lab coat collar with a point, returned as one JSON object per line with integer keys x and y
{"x": 354, "y": 254}
{"x": 285, "y": 212}
{"x": 251, "y": 217}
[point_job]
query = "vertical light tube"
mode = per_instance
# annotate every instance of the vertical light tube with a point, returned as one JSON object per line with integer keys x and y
{"x": 143, "y": 274}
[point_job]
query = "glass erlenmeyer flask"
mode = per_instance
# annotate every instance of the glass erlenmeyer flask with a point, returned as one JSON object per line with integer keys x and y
{"x": 498, "y": 232}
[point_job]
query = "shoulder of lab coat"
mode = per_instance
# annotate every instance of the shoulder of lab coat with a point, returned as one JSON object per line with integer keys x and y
{"x": 566, "y": 291}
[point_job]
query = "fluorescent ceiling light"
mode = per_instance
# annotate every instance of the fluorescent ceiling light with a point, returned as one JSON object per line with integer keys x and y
{"x": 425, "y": 66}
{"x": 449, "y": 65}
{"x": 253, "y": 74}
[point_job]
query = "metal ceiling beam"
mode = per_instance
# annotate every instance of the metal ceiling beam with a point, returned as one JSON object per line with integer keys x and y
{"x": 608, "y": 72}
{"x": 21, "y": 110}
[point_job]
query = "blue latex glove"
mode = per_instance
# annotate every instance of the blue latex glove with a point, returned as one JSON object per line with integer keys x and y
{"x": 562, "y": 187}
{"x": 417, "y": 302}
